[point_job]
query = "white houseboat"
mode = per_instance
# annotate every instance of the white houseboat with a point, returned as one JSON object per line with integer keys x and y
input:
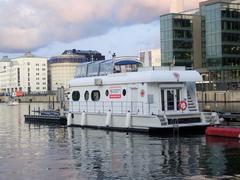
{"x": 119, "y": 94}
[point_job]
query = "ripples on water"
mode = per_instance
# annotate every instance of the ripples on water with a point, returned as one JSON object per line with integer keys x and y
{"x": 45, "y": 152}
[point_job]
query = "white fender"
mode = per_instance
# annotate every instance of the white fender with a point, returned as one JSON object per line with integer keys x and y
{"x": 83, "y": 119}
{"x": 109, "y": 119}
{"x": 203, "y": 118}
{"x": 69, "y": 119}
{"x": 128, "y": 120}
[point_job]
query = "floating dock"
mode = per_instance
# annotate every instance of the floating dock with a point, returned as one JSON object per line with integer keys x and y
{"x": 223, "y": 131}
{"x": 46, "y": 119}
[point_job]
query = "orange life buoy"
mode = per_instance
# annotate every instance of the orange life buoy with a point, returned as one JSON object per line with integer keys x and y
{"x": 182, "y": 105}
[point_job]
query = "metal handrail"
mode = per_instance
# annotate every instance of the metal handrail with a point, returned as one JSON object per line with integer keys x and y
{"x": 117, "y": 107}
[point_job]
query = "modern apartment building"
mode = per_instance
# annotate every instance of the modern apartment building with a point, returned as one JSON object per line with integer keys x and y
{"x": 207, "y": 39}
{"x": 151, "y": 57}
{"x": 27, "y": 73}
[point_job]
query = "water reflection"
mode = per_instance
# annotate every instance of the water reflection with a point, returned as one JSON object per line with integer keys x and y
{"x": 30, "y": 151}
{"x": 119, "y": 155}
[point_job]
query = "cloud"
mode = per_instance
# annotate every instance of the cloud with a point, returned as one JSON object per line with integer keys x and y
{"x": 30, "y": 24}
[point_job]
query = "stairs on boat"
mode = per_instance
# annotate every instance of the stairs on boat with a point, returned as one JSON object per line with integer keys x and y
{"x": 191, "y": 104}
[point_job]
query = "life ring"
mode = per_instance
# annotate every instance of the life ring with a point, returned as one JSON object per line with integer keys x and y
{"x": 182, "y": 105}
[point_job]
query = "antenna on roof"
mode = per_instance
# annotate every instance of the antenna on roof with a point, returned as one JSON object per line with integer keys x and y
{"x": 113, "y": 56}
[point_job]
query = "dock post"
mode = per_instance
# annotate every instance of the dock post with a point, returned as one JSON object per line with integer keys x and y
{"x": 29, "y": 109}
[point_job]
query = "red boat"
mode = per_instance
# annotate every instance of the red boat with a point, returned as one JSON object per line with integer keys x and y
{"x": 223, "y": 131}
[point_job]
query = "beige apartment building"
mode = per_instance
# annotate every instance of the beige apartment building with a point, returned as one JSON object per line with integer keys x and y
{"x": 27, "y": 73}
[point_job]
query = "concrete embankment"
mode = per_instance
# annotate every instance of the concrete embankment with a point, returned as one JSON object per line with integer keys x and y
{"x": 218, "y": 96}
{"x": 37, "y": 98}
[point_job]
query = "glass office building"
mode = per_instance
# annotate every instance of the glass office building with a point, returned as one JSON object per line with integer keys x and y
{"x": 221, "y": 41}
{"x": 207, "y": 40}
{"x": 176, "y": 39}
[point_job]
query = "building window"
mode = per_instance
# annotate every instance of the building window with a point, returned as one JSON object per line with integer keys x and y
{"x": 43, "y": 69}
{"x": 37, "y": 74}
{"x": 95, "y": 95}
{"x": 37, "y": 88}
{"x": 37, "y": 64}
{"x": 18, "y": 76}
{"x": 86, "y": 95}
{"x": 75, "y": 96}
{"x": 37, "y": 69}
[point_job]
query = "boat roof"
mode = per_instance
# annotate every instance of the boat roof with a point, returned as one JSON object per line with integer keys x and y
{"x": 104, "y": 67}
{"x": 151, "y": 76}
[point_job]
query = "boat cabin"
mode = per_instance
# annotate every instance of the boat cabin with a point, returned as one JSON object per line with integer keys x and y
{"x": 122, "y": 85}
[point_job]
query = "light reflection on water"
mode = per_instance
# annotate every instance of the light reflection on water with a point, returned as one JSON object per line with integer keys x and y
{"x": 31, "y": 151}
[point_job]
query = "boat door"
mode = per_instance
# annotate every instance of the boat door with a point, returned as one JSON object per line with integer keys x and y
{"x": 170, "y": 99}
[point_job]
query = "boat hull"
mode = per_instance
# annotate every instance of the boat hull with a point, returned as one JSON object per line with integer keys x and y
{"x": 134, "y": 123}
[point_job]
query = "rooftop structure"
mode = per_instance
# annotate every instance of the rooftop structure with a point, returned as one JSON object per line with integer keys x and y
{"x": 62, "y": 68}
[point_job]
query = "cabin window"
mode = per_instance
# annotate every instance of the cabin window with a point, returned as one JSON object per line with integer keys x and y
{"x": 86, "y": 95}
{"x": 95, "y": 95}
{"x": 75, "y": 96}
{"x": 124, "y": 92}
{"x": 106, "y": 92}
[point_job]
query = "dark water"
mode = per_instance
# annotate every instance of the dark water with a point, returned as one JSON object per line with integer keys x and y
{"x": 42, "y": 152}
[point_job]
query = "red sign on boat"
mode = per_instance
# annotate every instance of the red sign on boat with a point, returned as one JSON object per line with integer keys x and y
{"x": 115, "y": 92}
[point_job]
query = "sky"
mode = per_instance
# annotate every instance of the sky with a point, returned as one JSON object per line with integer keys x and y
{"x": 48, "y": 27}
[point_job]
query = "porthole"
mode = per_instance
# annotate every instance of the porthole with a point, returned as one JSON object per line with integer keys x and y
{"x": 124, "y": 92}
{"x": 95, "y": 95}
{"x": 86, "y": 95}
{"x": 75, "y": 95}
{"x": 106, "y": 92}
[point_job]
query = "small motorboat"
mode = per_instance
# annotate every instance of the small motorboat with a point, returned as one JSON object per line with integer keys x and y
{"x": 13, "y": 103}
